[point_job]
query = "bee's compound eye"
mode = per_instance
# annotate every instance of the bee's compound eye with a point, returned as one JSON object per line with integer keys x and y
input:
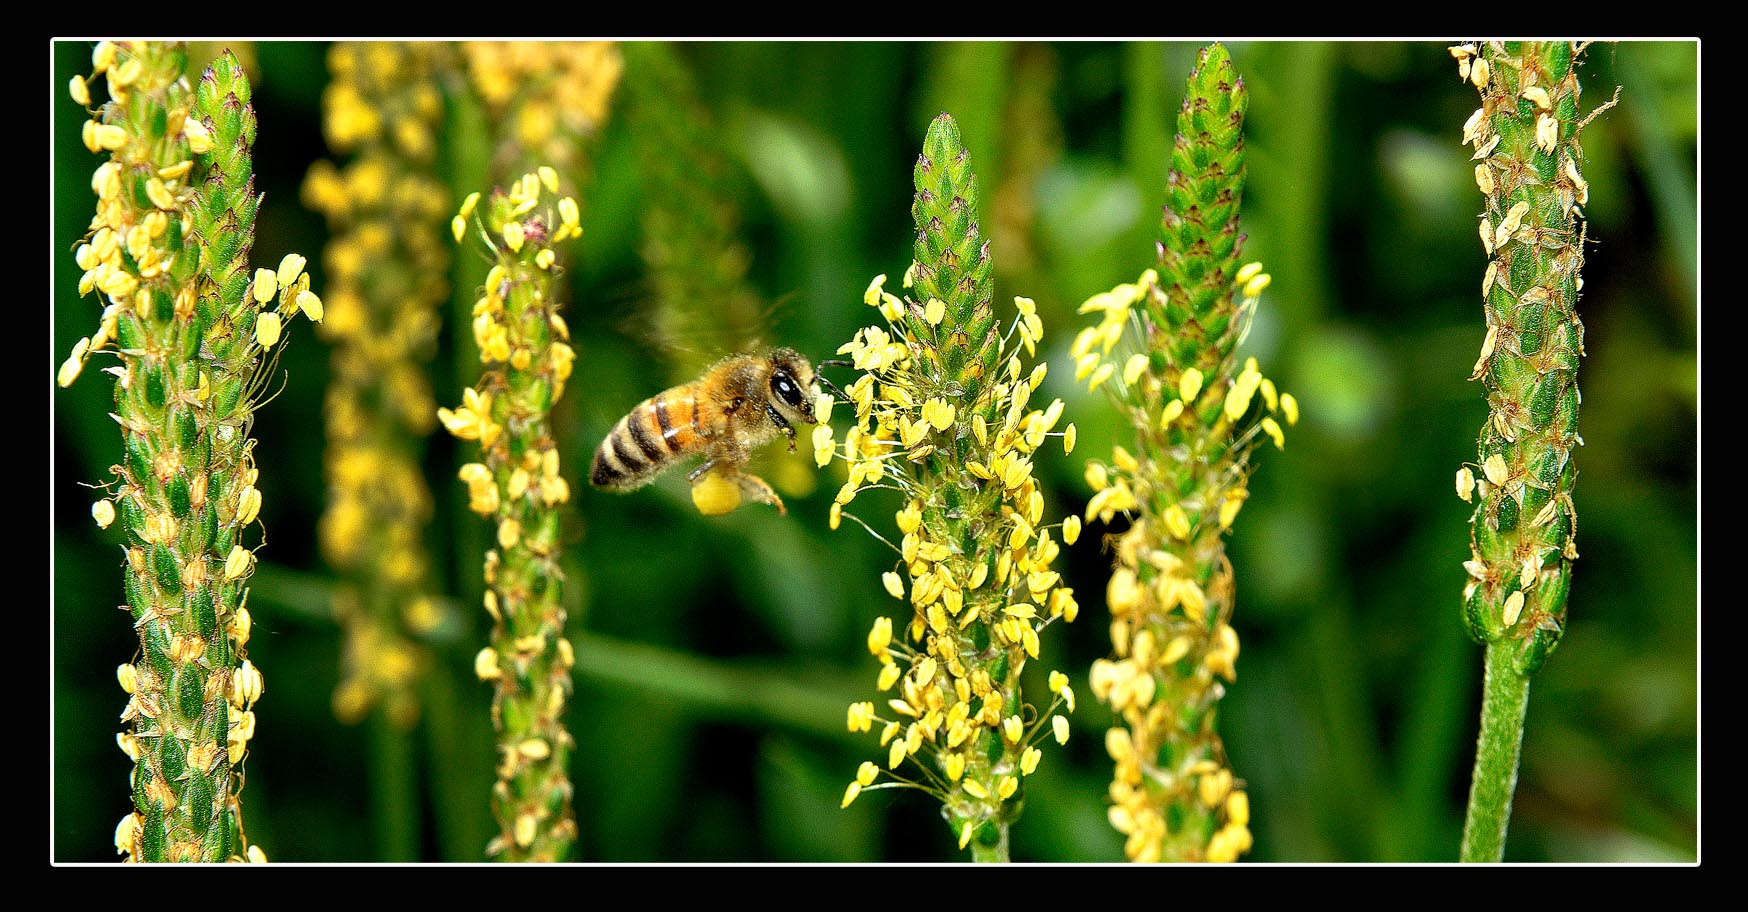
{"x": 786, "y": 389}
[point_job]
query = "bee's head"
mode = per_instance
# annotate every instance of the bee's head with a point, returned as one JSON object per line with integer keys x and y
{"x": 792, "y": 385}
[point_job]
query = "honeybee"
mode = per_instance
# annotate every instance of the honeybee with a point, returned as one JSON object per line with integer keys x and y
{"x": 739, "y": 404}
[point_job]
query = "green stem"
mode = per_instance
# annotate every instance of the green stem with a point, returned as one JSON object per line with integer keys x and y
{"x": 996, "y": 852}
{"x": 716, "y": 689}
{"x": 395, "y": 806}
{"x": 1432, "y": 737}
{"x": 1505, "y": 696}
{"x": 464, "y": 823}
{"x": 807, "y": 698}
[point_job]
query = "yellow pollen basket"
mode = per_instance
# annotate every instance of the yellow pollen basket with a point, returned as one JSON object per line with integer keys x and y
{"x": 715, "y": 495}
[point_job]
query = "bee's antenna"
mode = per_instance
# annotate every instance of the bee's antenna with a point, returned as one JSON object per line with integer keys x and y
{"x": 836, "y": 362}
{"x": 833, "y": 387}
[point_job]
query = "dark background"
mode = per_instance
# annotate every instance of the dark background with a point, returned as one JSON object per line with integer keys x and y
{"x": 716, "y": 656}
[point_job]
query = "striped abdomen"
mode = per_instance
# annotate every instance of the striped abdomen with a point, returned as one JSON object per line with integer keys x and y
{"x": 658, "y": 431}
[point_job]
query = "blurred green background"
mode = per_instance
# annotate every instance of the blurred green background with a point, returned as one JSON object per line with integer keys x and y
{"x": 716, "y": 656}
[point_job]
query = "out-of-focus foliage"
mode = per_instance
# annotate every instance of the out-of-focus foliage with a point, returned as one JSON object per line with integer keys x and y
{"x": 714, "y": 656}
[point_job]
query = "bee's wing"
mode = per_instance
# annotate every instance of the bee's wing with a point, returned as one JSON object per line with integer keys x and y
{"x": 760, "y": 333}
{"x": 666, "y": 331}
{"x": 691, "y": 336}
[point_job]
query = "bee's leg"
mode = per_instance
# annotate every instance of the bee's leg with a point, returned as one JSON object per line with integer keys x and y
{"x": 782, "y": 424}
{"x": 723, "y": 452}
{"x": 753, "y": 487}
{"x": 705, "y": 466}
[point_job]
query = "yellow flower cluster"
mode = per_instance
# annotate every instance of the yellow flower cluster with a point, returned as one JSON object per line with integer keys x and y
{"x": 1478, "y": 131}
{"x": 382, "y": 92}
{"x": 378, "y": 662}
{"x": 1171, "y": 656}
{"x": 143, "y": 254}
{"x": 1170, "y": 593}
{"x": 547, "y": 94}
{"x": 492, "y": 330}
{"x": 387, "y": 263}
{"x": 129, "y": 252}
{"x": 510, "y": 338}
{"x": 245, "y": 686}
{"x": 1513, "y": 375}
{"x": 975, "y": 563}
{"x": 537, "y": 474}
{"x": 516, "y": 484}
